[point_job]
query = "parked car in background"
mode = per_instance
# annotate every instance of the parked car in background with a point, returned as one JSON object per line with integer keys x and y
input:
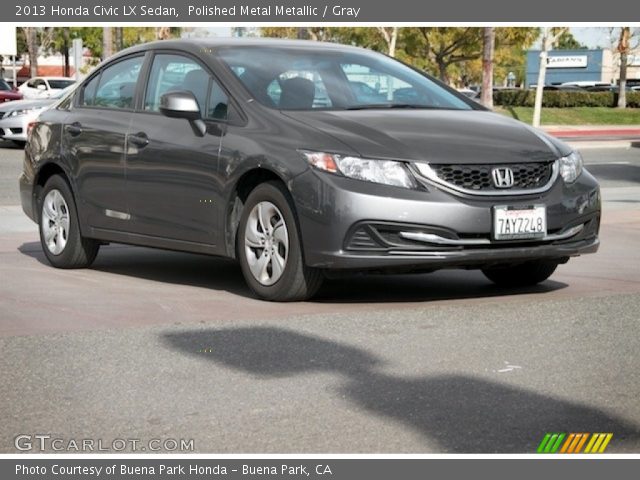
{"x": 44, "y": 87}
{"x": 261, "y": 150}
{"x": 8, "y": 93}
{"x": 585, "y": 84}
{"x": 16, "y": 116}
{"x": 467, "y": 92}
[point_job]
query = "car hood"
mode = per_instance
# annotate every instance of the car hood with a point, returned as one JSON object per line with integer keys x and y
{"x": 435, "y": 136}
{"x": 24, "y": 104}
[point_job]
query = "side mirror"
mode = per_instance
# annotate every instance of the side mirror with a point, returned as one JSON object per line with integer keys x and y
{"x": 41, "y": 87}
{"x": 183, "y": 105}
{"x": 180, "y": 105}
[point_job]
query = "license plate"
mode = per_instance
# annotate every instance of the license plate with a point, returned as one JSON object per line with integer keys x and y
{"x": 516, "y": 223}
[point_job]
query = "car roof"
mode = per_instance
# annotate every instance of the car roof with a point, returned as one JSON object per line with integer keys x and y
{"x": 53, "y": 78}
{"x": 199, "y": 44}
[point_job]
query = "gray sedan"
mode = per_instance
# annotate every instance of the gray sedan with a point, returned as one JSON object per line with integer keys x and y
{"x": 300, "y": 160}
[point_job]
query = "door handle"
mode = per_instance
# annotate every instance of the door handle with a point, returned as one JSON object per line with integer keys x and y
{"x": 139, "y": 139}
{"x": 74, "y": 129}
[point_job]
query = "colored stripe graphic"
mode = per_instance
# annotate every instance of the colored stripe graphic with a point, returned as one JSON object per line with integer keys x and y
{"x": 582, "y": 442}
{"x": 570, "y": 439}
{"x": 574, "y": 442}
{"x": 551, "y": 442}
{"x": 598, "y": 442}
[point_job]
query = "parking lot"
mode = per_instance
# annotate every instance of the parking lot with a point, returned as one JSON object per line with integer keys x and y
{"x": 152, "y": 344}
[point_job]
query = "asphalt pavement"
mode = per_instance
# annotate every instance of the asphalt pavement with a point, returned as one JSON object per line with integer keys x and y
{"x": 150, "y": 344}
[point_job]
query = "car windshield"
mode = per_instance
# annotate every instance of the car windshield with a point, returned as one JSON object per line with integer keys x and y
{"x": 60, "y": 84}
{"x": 4, "y": 86}
{"x": 299, "y": 78}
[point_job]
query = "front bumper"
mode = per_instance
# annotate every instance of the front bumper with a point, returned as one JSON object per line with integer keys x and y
{"x": 350, "y": 224}
{"x": 15, "y": 128}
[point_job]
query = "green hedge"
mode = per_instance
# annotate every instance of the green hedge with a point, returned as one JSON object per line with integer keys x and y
{"x": 559, "y": 99}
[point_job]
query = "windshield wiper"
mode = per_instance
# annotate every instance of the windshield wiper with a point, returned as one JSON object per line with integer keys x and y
{"x": 374, "y": 106}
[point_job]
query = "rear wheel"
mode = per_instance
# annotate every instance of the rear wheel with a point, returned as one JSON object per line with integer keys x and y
{"x": 269, "y": 249}
{"x": 525, "y": 274}
{"x": 60, "y": 236}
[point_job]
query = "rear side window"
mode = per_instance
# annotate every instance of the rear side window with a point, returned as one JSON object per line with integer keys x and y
{"x": 116, "y": 85}
{"x": 171, "y": 73}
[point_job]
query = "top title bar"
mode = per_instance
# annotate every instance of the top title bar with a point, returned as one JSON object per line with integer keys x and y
{"x": 318, "y": 11}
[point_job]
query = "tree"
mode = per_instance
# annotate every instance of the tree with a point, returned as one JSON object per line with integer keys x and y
{"x": 566, "y": 41}
{"x": 549, "y": 39}
{"x": 390, "y": 35}
{"x": 38, "y": 40}
{"x": 107, "y": 42}
{"x": 443, "y": 47}
{"x": 300, "y": 33}
{"x": 165, "y": 33}
{"x": 623, "y": 50}
{"x": 488, "y": 48}
{"x": 31, "y": 35}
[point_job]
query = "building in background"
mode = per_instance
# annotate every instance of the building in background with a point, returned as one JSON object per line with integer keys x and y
{"x": 598, "y": 66}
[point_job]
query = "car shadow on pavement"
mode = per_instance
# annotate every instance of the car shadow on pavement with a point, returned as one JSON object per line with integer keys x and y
{"x": 10, "y": 145}
{"x": 440, "y": 285}
{"x": 463, "y": 414}
{"x": 161, "y": 266}
{"x": 223, "y": 274}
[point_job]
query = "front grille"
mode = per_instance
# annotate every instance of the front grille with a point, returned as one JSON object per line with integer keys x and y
{"x": 526, "y": 176}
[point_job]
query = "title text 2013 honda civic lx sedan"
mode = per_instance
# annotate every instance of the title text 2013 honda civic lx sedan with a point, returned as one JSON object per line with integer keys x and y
{"x": 300, "y": 160}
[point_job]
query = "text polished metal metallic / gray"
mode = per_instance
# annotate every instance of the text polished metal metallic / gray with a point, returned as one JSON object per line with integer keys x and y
{"x": 299, "y": 159}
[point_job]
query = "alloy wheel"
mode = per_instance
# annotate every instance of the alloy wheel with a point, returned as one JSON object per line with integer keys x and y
{"x": 55, "y": 222}
{"x": 266, "y": 242}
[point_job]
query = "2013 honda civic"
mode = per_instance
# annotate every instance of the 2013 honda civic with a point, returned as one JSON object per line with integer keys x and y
{"x": 299, "y": 159}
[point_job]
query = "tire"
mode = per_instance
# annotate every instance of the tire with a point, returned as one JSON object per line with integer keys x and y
{"x": 523, "y": 275}
{"x": 61, "y": 241}
{"x": 272, "y": 262}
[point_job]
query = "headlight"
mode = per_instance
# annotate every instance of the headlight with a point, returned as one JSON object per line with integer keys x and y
{"x": 386, "y": 172}
{"x": 571, "y": 167}
{"x": 24, "y": 111}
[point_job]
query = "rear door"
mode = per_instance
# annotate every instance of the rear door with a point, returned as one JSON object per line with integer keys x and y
{"x": 94, "y": 136}
{"x": 173, "y": 183}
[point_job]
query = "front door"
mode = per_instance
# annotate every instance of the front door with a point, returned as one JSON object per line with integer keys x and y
{"x": 173, "y": 184}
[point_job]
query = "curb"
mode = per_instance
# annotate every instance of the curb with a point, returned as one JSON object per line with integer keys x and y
{"x": 633, "y": 133}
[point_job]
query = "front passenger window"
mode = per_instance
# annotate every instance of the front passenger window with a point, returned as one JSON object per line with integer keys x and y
{"x": 117, "y": 85}
{"x": 172, "y": 73}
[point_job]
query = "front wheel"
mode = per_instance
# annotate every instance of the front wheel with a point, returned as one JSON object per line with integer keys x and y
{"x": 522, "y": 275}
{"x": 62, "y": 243}
{"x": 269, "y": 247}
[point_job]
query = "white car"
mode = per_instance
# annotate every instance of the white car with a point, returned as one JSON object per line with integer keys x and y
{"x": 44, "y": 87}
{"x": 16, "y": 116}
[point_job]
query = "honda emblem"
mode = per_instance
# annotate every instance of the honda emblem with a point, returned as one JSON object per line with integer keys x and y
{"x": 502, "y": 177}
